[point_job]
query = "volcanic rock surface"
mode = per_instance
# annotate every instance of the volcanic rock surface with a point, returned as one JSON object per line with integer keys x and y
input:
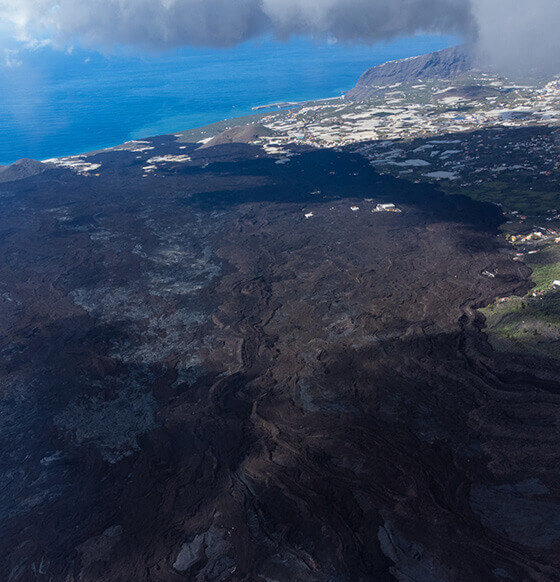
{"x": 235, "y": 370}
{"x": 239, "y": 134}
{"x": 24, "y": 168}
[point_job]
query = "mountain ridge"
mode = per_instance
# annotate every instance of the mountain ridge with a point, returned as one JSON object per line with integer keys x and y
{"x": 444, "y": 64}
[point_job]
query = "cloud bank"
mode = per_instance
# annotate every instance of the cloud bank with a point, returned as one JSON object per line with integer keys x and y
{"x": 519, "y": 35}
{"x": 505, "y": 32}
{"x": 171, "y": 23}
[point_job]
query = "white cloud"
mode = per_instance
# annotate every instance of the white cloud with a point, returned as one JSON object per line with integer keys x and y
{"x": 11, "y": 58}
{"x": 506, "y": 32}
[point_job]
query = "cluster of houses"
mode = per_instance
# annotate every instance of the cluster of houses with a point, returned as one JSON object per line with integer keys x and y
{"x": 402, "y": 113}
{"x": 544, "y": 234}
{"x": 384, "y": 130}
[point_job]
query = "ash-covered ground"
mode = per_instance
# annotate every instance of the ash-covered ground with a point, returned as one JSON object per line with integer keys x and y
{"x": 219, "y": 367}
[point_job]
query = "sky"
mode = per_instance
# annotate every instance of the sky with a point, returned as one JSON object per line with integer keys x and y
{"x": 76, "y": 75}
{"x": 507, "y": 34}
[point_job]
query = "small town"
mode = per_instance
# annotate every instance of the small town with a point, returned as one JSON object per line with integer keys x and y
{"x": 417, "y": 132}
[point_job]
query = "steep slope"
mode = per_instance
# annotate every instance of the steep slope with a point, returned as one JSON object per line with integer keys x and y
{"x": 443, "y": 64}
{"x": 23, "y": 168}
{"x": 239, "y": 134}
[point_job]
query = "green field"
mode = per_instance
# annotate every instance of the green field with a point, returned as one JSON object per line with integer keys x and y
{"x": 527, "y": 325}
{"x": 530, "y": 324}
{"x": 545, "y": 266}
{"x": 531, "y": 196}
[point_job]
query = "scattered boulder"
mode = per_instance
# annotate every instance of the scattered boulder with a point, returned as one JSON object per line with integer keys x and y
{"x": 208, "y": 553}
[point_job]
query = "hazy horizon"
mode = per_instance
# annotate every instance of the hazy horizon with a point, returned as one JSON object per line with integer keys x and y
{"x": 57, "y": 103}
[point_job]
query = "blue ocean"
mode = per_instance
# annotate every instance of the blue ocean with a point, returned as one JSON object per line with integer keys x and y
{"x": 58, "y": 103}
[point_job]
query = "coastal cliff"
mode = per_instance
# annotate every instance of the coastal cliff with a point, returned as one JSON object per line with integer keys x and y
{"x": 444, "y": 64}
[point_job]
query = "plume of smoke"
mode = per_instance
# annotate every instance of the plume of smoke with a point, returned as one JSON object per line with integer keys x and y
{"x": 509, "y": 34}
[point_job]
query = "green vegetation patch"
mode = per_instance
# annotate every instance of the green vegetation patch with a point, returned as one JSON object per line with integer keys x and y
{"x": 525, "y": 324}
{"x": 530, "y": 324}
{"x": 513, "y": 193}
{"x": 545, "y": 266}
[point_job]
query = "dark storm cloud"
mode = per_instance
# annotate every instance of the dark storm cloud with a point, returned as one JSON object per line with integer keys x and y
{"x": 368, "y": 20}
{"x": 169, "y": 23}
{"x": 507, "y": 33}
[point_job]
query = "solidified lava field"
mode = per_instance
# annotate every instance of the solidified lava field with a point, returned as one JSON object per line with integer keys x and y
{"x": 200, "y": 383}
